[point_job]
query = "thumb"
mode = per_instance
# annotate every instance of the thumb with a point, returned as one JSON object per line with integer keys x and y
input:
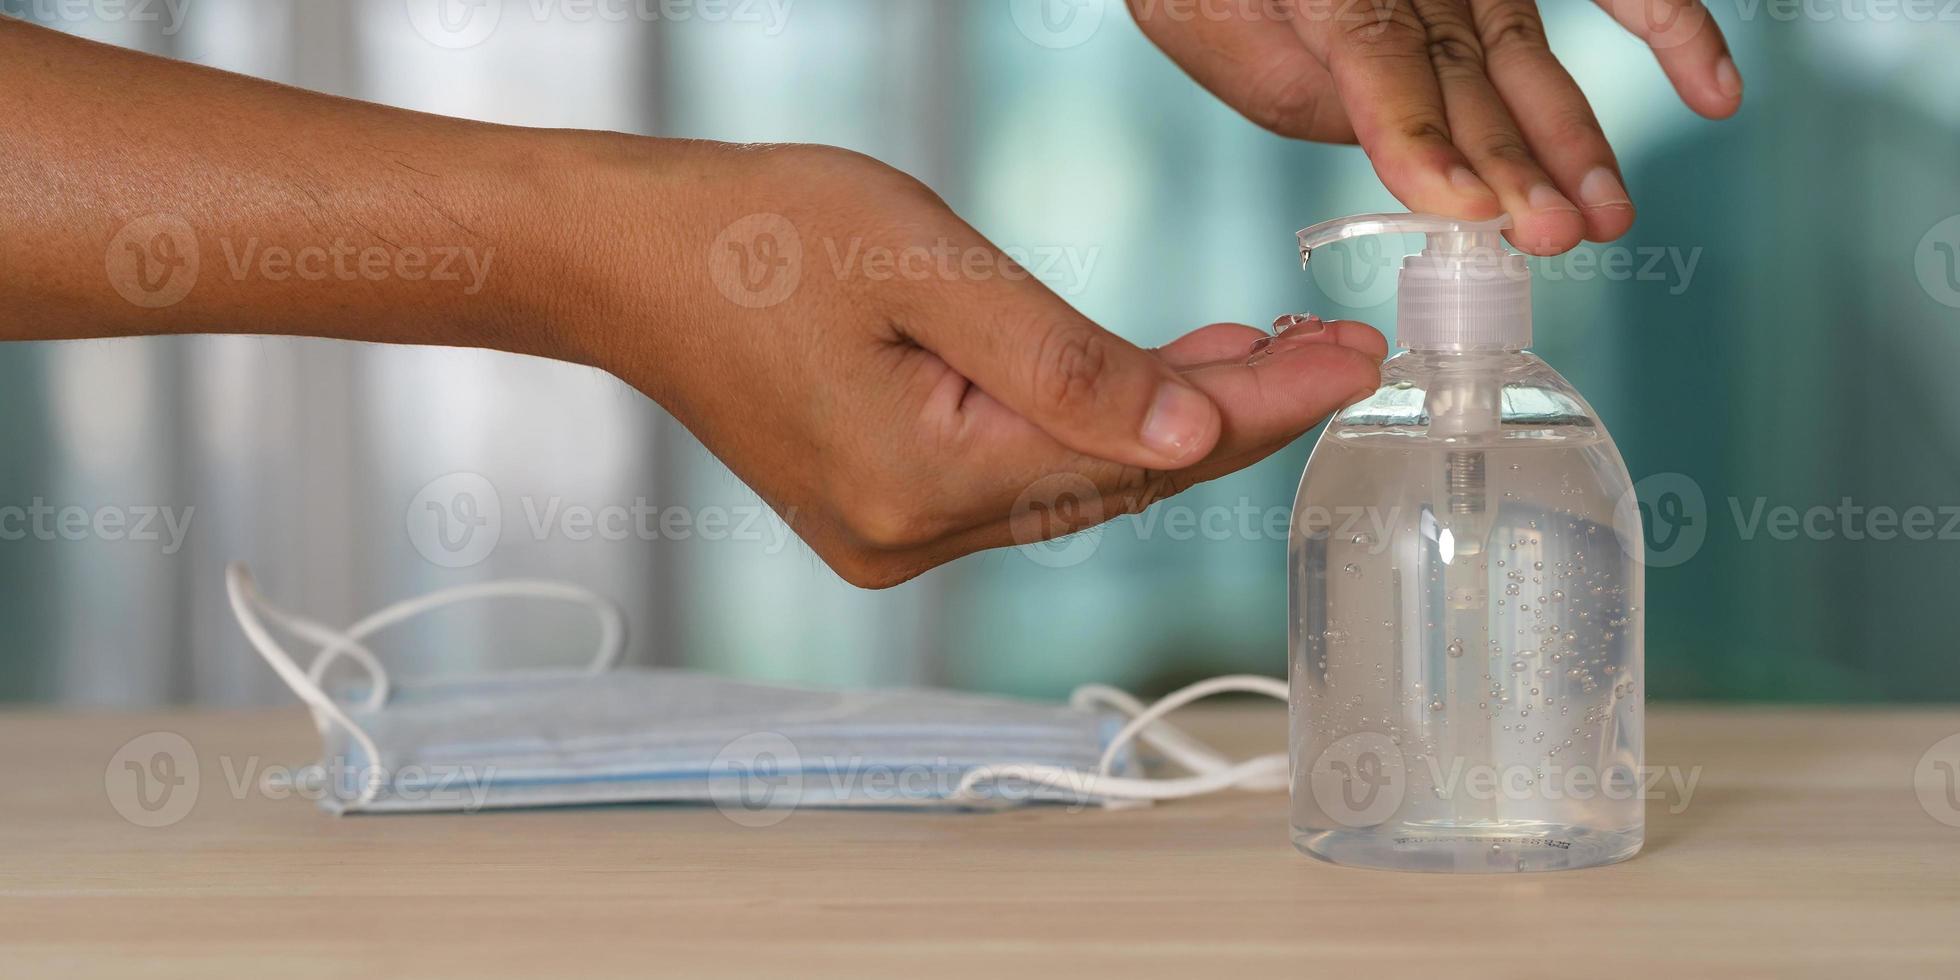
{"x": 1087, "y": 388}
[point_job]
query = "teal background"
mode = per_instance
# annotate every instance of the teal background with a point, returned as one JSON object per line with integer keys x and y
{"x": 1810, "y": 358}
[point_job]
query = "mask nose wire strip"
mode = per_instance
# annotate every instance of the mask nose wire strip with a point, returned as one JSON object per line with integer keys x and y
{"x": 612, "y": 625}
{"x": 246, "y": 605}
{"x": 1265, "y": 773}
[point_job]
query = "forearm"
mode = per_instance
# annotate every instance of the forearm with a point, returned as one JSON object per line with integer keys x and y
{"x": 143, "y": 196}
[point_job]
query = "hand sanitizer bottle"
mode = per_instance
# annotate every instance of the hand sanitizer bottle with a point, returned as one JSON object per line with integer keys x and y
{"x": 1465, "y": 624}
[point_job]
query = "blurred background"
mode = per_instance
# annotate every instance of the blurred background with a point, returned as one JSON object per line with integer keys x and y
{"x": 1777, "y": 336}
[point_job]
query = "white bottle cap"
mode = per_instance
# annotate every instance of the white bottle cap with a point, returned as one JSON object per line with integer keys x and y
{"x": 1463, "y": 292}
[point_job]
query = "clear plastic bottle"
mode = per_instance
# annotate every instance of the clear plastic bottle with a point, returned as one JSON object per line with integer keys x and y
{"x": 1466, "y": 628}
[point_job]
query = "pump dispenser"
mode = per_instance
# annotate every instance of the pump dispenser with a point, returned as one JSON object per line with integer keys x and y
{"x": 1466, "y": 635}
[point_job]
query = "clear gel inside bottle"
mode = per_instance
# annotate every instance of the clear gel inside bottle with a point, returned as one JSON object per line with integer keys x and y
{"x": 1466, "y": 633}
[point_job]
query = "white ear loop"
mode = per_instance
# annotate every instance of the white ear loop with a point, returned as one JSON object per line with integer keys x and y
{"x": 248, "y": 606}
{"x": 612, "y": 625}
{"x": 1210, "y": 771}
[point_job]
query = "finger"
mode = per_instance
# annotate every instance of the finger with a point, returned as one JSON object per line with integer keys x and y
{"x": 1553, "y": 114}
{"x": 1267, "y": 407}
{"x": 1089, "y": 389}
{"x": 1377, "y": 51}
{"x": 1690, "y": 48}
{"x": 1252, "y": 61}
{"x": 1546, "y": 223}
{"x": 1218, "y": 343}
{"x": 1299, "y": 381}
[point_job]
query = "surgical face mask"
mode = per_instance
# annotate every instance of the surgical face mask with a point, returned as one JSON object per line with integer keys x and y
{"x": 610, "y": 734}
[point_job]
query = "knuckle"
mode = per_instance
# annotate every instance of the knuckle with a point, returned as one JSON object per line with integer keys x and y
{"x": 1513, "y": 27}
{"x": 1070, "y": 368}
{"x": 1455, "y": 52}
{"x": 1504, "y": 145}
{"x": 1576, "y": 126}
{"x": 1396, "y": 31}
{"x": 1422, "y": 126}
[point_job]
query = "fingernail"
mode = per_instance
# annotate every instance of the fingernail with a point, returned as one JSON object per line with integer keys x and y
{"x": 1728, "y": 79}
{"x": 1302, "y": 323}
{"x": 1178, "y": 419}
{"x": 1545, "y": 197}
{"x": 1602, "y": 189}
{"x": 1469, "y": 183}
{"x": 1357, "y": 339}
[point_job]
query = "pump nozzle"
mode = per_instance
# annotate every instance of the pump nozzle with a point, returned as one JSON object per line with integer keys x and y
{"x": 1463, "y": 298}
{"x": 1462, "y": 292}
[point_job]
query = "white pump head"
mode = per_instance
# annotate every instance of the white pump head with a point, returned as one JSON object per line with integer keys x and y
{"x": 1463, "y": 292}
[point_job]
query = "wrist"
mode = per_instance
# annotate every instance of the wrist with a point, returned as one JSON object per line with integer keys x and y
{"x": 606, "y": 279}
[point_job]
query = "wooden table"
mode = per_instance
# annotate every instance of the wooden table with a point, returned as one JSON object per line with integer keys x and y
{"x": 1803, "y": 851}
